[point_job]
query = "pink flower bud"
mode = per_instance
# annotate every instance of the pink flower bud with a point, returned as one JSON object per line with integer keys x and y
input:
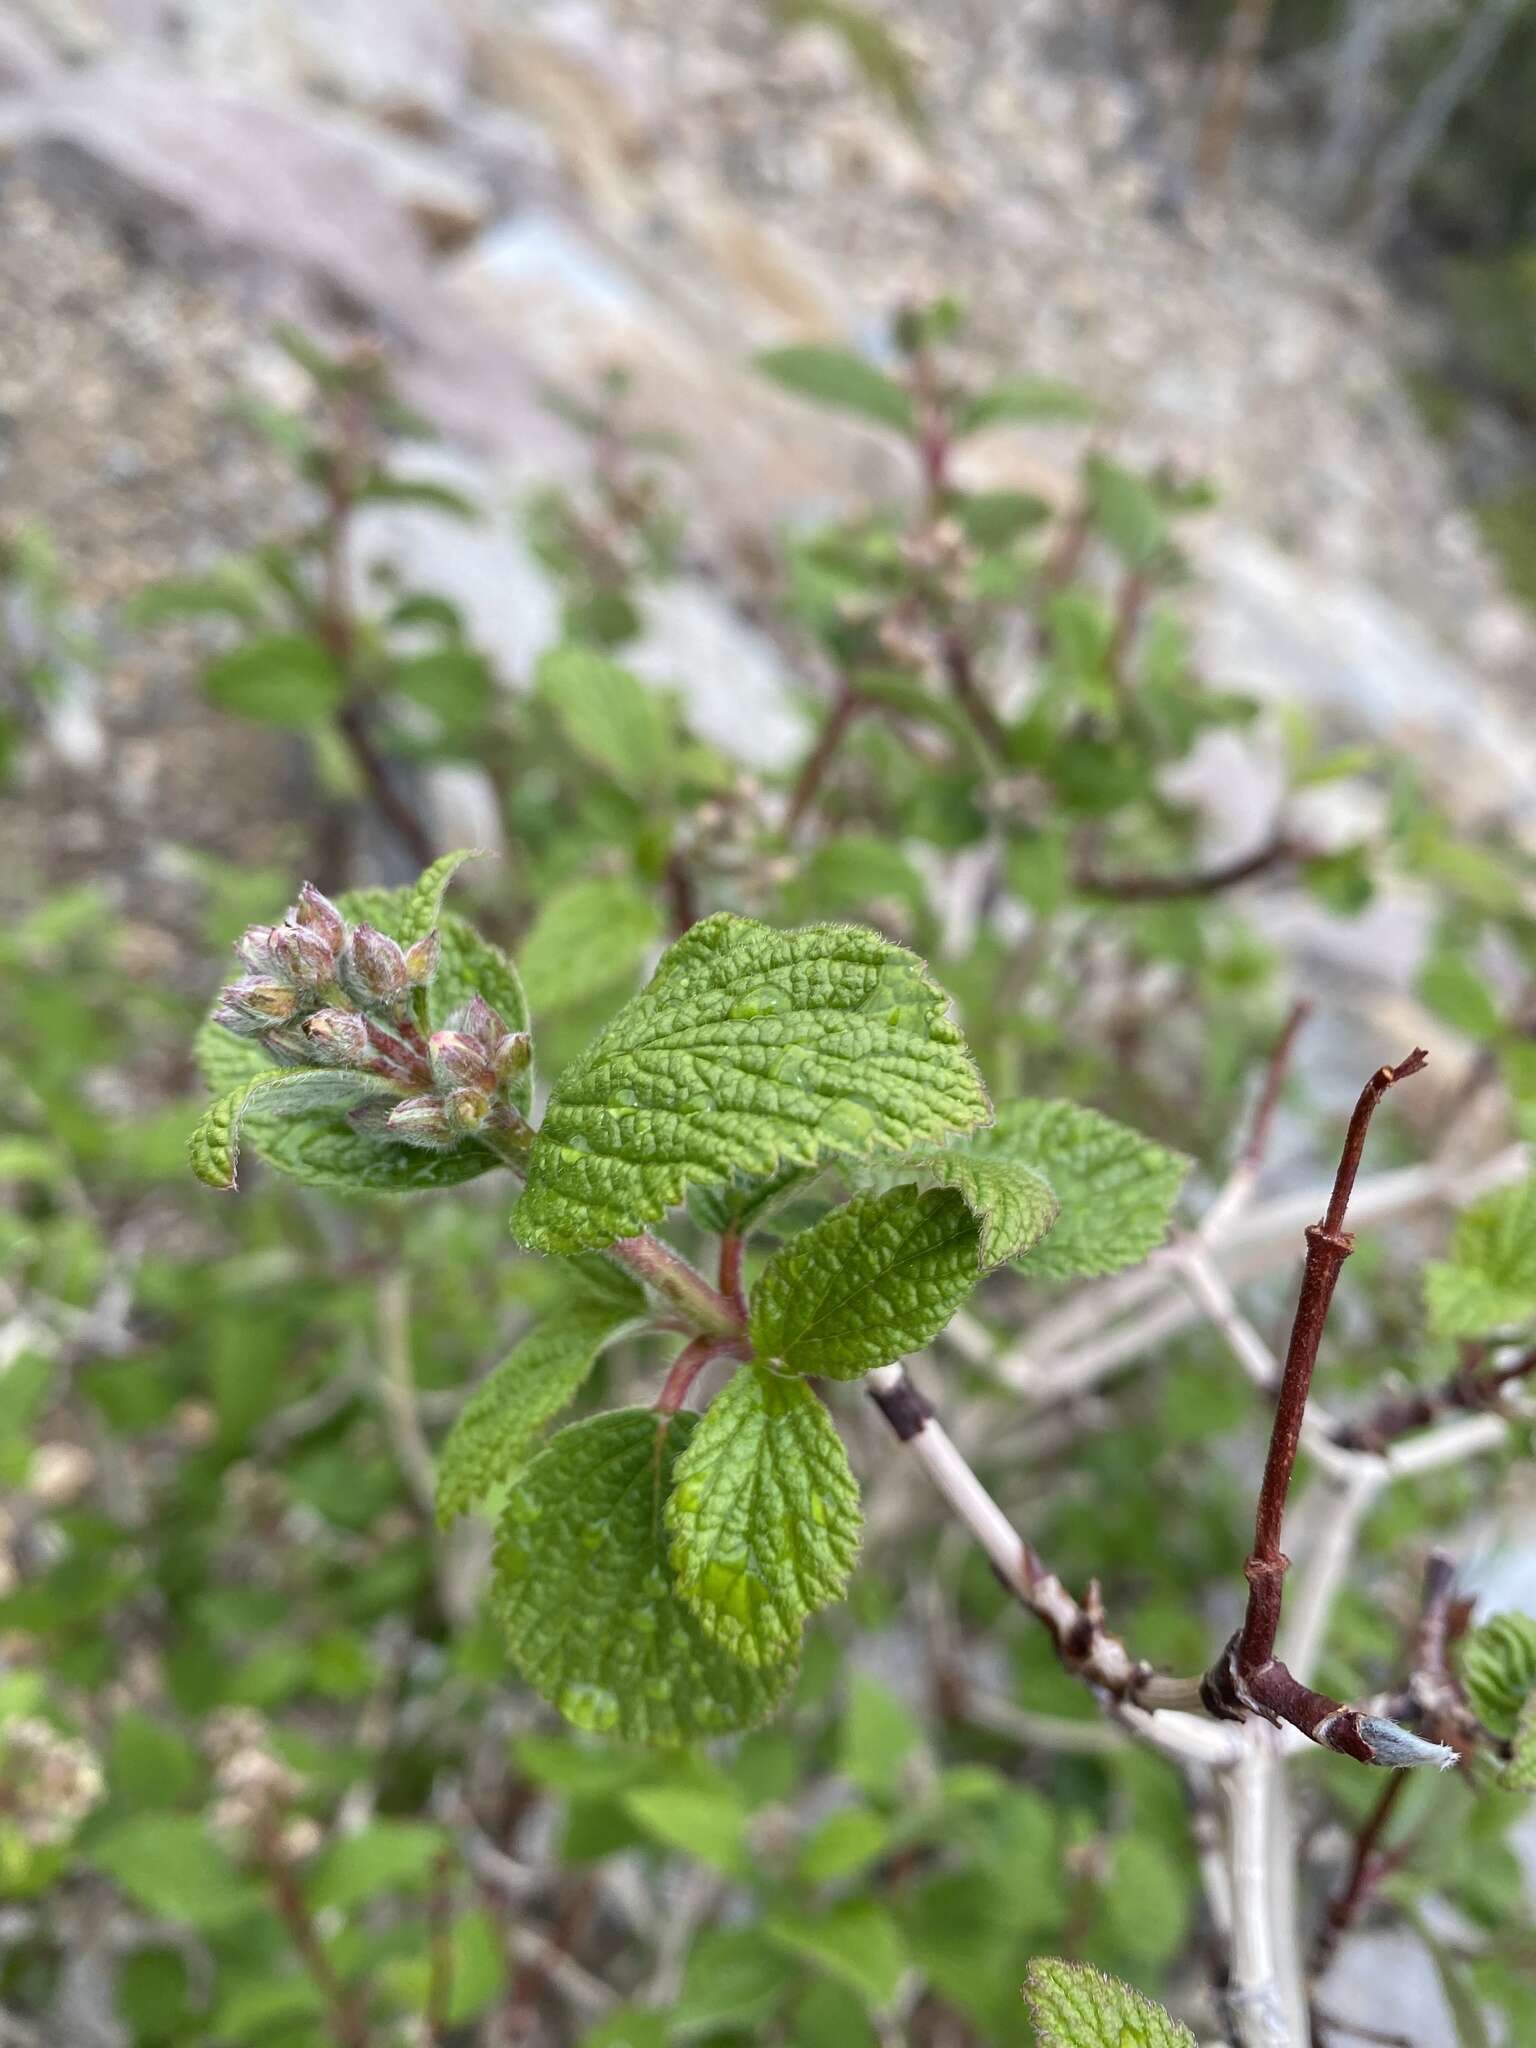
{"x": 337, "y": 1038}
{"x": 302, "y": 955}
{"x": 264, "y": 1003}
{"x": 377, "y": 965}
{"x": 318, "y": 913}
{"x": 422, "y": 1120}
{"x": 254, "y": 946}
{"x": 422, "y": 958}
{"x": 511, "y": 1057}
{"x": 458, "y": 1061}
{"x": 477, "y": 1020}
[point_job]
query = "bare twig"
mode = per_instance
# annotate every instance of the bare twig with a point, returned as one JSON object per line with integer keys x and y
{"x": 1275, "y": 852}
{"x": 846, "y": 706}
{"x": 1236, "y": 62}
{"x": 1248, "y": 1677}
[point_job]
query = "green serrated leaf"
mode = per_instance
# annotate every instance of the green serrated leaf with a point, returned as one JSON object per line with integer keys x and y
{"x": 748, "y": 1050}
{"x": 1116, "y": 1188}
{"x": 321, "y": 1150}
{"x": 1498, "y": 1670}
{"x": 1489, "y": 1281}
{"x": 1013, "y": 1205}
{"x": 214, "y": 1147}
{"x": 874, "y": 1280}
{"x": 609, "y": 716}
{"x": 764, "y": 1516}
{"x": 422, "y": 904}
{"x": 495, "y": 1429}
{"x": 1025, "y": 401}
{"x": 588, "y": 936}
{"x": 838, "y": 378}
{"x": 1074, "y": 2006}
{"x": 585, "y": 1592}
{"x": 282, "y": 680}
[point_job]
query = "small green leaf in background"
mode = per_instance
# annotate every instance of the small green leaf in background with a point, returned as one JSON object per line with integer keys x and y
{"x": 588, "y": 936}
{"x": 1116, "y": 1188}
{"x": 585, "y": 1593}
{"x": 283, "y": 680}
{"x": 1451, "y": 986}
{"x": 385, "y": 1856}
{"x": 612, "y": 719}
{"x": 1126, "y": 511}
{"x": 453, "y": 683}
{"x": 876, "y": 1279}
{"x": 764, "y": 1515}
{"x": 845, "y": 1842}
{"x": 748, "y": 1049}
{"x": 856, "y": 1942}
{"x": 835, "y": 377}
{"x": 706, "y": 1822}
{"x": 1145, "y": 1902}
{"x": 734, "y": 1977}
{"x": 1074, "y": 2006}
{"x": 631, "y": 2027}
{"x": 494, "y": 1431}
{"x": 1022, "y": 401}
{"x": 1489, "y": 1281}
{"x": 168, "y": 1864}
{"x": 879, "y": 1734}
{"x": 879, "y": 56}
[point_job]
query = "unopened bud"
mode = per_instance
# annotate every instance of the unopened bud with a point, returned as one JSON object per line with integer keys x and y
{"x": 305, "y": 957}
{"x": 254, "y": 946}
{"x": 511, "y": 1057}
{"x": 377, "y": 965}
{"x": 423, "y": 1120}
{"x": 422, "y": 958}
{"x": 337, "y": 1038}
{"x": 477, "y": 1020}
{"x": 467, "y": 1108}
{"x": 260, "y": 1003}
{"x": 459, "y": 1061}
{"x": 319, "y": 914}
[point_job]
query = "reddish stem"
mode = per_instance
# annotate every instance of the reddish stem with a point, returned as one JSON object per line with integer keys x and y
{"x": 1366, "y": 1871}
{"x": 687, "y": 1366}
{"x": 846, "y": 705}
{"x": 1148, "y": 888}
{"x": 732, "y": 1248}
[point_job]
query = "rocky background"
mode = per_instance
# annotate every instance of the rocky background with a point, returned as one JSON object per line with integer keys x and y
{"x": 513, "y": 195}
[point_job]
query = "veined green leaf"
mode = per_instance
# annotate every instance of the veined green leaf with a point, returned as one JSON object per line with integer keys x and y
{"x": 1013, "y": 1205}
{"x": 214, "y": 1148}
{"x": 585, "y": 1591}
{"x": 764, "y": 1515}
{"x": 838, "y": 378}
{"x": 1116, "y": 1188}
{"x": 856, "y": 1942}
{"x": 588, "y": 936}
{"x": 495, "y": 1429}
{"x": 749, "y": 1049}
{"x": 1074, "y": 2006}
{"x": 422, "y": 904}
{"x": 874, "y": 1280}
{"x": 1498, "y": 1669}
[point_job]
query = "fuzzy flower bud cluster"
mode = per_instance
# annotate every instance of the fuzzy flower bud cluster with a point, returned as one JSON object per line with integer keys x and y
{"x": 255, "y": 1791}
{"x": 48, "y": 1782}
{"x": 320, "y": 992}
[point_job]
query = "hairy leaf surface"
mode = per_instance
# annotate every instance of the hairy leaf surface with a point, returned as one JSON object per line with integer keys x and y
{"x": 764, "y": 1515}
{"x": 496, "y": 1427}
{"x": 214, "y": 1148}
{"x": 585, "y": 1591}
{"x": 1116, "y": 1188}
{"x": 748, "y": 1050}
{"x": 876, "y": 1279}
{"x": 1074, "y": 2006}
